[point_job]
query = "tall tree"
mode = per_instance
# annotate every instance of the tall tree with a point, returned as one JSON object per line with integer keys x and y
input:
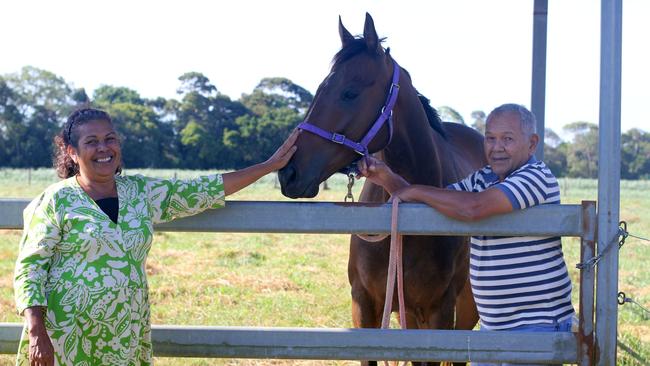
{"x": 277, "y": 93}
{"x": 635, "y": 154}
{"x": 448, "y": 114}
{"x": 11, "y": 126}
{"x": 277, "y": 106}
{"x": 108, "y": 94}
{"x": 479, "y": 121}
{"x": 582, "y": 154}
{"x": 37, "y": 87}
{"x": 200, "y": 120}
{"x": 195, "y": 82}
{"x": 35, "y": 103}
{"x": 146, "y": 142}
{"x": 555, "y": 153}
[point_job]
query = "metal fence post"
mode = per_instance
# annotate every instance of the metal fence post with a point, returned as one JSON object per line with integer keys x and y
{"x": 609, "y": 174}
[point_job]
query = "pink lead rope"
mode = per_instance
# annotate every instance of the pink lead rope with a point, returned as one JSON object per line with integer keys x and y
{"x": 395, "y": 270}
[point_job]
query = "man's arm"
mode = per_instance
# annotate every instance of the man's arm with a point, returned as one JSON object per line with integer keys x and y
{"x": 465, "y": 206}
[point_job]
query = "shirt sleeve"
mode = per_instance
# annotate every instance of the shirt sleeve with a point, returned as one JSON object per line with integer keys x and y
{"x": 531, "y": 186}
{"x": 174, "y": 198}
{"x": 465, "y": 185}
{"x": 41, "y": 234}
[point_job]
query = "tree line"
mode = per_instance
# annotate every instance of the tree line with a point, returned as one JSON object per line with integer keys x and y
{"x": 205, "y": 129}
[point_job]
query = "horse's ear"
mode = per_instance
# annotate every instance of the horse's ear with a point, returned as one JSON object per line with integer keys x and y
{"x": 346, "y": 37}
{"x": 370, "y": 35}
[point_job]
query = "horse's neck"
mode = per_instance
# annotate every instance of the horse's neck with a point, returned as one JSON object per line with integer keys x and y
{"x": 416, "y": 151}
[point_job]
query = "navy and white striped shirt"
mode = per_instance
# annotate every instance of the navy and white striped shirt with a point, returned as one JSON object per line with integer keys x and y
{"x": 519, "y": 280}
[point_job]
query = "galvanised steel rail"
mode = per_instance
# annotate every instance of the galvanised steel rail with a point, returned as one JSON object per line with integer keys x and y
{"x": 346, "y": 344}
{"x": 351, "y": 218}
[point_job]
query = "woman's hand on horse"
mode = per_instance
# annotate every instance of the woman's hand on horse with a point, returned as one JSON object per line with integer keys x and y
{"x": 282, "y": 155}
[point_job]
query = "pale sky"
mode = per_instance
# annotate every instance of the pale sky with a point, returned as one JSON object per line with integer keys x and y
{"x": 466, "y": 54}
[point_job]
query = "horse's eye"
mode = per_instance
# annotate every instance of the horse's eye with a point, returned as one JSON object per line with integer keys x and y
{"x": 349, "y": 95}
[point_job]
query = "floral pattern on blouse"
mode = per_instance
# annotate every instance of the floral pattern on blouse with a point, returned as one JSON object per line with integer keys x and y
{"x": 89, "y": 272}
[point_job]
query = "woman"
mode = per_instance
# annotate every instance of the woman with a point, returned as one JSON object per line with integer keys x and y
{"x": 80, "y": 278}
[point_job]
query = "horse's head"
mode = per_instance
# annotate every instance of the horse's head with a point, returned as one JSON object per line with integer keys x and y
{"x": 347, "y": 104}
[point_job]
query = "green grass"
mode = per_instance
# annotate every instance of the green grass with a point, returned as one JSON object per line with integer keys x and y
{"x": 300, "y": 280}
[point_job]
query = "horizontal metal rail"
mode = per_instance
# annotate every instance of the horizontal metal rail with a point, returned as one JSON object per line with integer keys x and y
{"x": 349, "y": 344}
{"x": 352, "y": 218}
{"x": 355, "y": 344}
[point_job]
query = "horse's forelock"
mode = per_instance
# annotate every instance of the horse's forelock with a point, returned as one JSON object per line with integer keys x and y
{"x": 351, "y": 49}
{"x": 357, "y": 46}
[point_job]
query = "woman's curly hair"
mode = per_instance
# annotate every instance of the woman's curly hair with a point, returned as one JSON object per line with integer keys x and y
{"x": 69, "y": 136}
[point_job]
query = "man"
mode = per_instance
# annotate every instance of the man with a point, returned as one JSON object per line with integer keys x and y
{"x": 519, "y": 283}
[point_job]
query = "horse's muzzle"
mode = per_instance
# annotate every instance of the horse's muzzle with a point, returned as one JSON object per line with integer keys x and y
{"x": 293, "y": 186}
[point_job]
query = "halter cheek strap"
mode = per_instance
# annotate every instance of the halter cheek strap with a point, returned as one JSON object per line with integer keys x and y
{"x": 361, "y": 147}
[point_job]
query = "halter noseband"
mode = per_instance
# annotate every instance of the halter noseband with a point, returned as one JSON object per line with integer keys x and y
{"x": 361, "y": 147}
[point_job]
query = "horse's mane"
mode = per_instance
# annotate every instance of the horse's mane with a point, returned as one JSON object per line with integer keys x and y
{"x": 358, "y": 45}
{"x": 432, "y": 115}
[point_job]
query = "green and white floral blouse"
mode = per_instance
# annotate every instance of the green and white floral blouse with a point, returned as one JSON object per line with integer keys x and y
{"x": 89, "y": 272}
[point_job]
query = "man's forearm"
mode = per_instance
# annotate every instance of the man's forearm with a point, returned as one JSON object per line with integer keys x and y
{"x": 458, "y": 205}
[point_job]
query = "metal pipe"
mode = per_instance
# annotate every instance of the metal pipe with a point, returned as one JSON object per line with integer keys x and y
{"x": 349, "y": 344}
{"x": 609, "y": 175}
{"x": 538, "y": 86}
{"x": 351, "y": 218}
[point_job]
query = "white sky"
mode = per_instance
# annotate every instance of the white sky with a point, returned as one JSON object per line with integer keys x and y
{"x": 467, "y": 54}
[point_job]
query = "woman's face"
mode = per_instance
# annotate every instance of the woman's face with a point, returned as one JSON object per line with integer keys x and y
{"x": 98, "y": 151}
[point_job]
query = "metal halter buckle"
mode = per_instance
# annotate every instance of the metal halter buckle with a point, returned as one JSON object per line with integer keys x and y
{"x": 338, "y": 138}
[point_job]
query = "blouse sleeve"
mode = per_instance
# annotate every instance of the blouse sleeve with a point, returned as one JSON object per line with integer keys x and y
{"x": 174, "y": 198}
{"x": 41, "y": 234}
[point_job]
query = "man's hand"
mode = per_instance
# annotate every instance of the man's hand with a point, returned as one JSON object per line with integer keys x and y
{"x": 377, "y": 172}
{"x": 408, "y": 194}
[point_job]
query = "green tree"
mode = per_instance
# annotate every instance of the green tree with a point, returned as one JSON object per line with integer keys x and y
{"x": 199, "y": 121}
{"x": 555, "y": 153}
{"x": 277, "y": 106}
{"x": 635, "y": 154}
{"x": 108, "y": 94}
{"x": 11, "y": 126}
{"x": 479, "y": 121}
{"x": 277, "y": 93}
{"x": 147, "y": 142}
{"x": 34, "y": 104}
{"x": 36, "y": 87}
{"x": 257, "y": 137}
{"x": 195, "y": 82}
{"x": 448, "y": 114}
{"x": 582, "y": 154}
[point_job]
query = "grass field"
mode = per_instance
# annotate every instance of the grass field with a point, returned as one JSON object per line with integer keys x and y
{"x": 300, "y": 280}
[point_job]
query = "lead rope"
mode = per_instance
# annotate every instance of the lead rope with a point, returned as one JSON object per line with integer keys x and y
{"x": 395, "y": 270}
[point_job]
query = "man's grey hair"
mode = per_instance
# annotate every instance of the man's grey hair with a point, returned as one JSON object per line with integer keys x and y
{"x": 526, "y": 117}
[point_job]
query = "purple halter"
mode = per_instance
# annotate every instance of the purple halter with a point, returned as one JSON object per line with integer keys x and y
{"x": 361, "y": 147}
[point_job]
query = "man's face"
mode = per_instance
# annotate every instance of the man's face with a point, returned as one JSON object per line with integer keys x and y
{"x": 507, "y": 147}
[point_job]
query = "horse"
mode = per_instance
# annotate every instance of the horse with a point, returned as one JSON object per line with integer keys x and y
{"x": 366, "y": 82}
